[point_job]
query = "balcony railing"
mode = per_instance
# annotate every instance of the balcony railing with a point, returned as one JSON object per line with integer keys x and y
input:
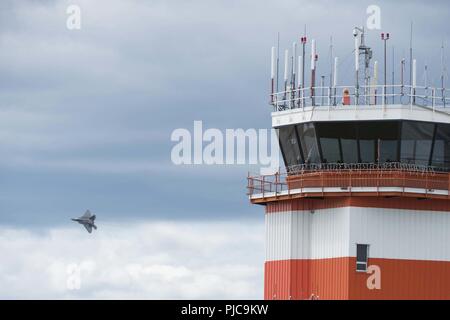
{"x": 363, "y": 95}
{"x": 375, "y": 179}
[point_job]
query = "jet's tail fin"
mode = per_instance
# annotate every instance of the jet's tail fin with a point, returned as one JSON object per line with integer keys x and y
{"x": 94, "y": 226}
{"x": 87, "y": 214}
{"x": 93, "y": 218}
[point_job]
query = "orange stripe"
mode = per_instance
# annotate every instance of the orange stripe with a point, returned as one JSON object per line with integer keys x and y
{"x": 336, "y": 278}
{"x": 364, "y": 202}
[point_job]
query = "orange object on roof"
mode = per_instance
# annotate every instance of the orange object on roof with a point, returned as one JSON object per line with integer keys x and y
{"x": 346, "y": 97}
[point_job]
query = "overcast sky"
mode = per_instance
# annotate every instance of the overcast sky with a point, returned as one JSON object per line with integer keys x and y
{"x": 86, "y": 115}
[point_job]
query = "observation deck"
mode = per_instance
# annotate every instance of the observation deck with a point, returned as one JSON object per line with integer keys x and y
{"x": 409, "y": 127}
{"x": 340, "y": 180}
{"x": 384, "y": 141}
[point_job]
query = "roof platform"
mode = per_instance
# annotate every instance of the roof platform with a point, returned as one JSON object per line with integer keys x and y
{"x": 403, "y": 103}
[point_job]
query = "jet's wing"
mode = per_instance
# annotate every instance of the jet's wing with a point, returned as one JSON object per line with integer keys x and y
{"x": 87, "y": 214}
{"x": 88, "y": 227}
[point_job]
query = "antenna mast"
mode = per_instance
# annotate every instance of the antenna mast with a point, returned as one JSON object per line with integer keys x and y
{"x": 385, "y": 37}
{"x": 361, "y": 48}
{"x": 355, "y": 35}
{"x": 402, "y": 72}
{"x": 272, "y": 73}
{"x": 331, "y": 62}
{"x": 442, "y": 73}
{"x": 410, "y": 55}
{"x": 303, "y": 40}
{"x": 313, "y": 70}
{"x": 393, "y": 75}
{"x": 278, "y": 57}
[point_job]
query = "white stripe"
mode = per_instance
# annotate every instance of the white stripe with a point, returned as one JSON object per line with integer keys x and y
{"x": 332, "y": 233}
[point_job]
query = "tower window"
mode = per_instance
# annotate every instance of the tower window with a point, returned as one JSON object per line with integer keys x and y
{"x": 362, "y": 255}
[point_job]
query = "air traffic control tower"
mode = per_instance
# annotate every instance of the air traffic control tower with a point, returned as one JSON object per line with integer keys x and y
{"x": 361, "y": 209}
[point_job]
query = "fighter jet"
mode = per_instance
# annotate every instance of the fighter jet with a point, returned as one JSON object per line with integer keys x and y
{"x": 87, "y": 220}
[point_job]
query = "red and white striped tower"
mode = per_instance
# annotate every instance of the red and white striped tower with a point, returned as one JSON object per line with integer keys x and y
{"x": 363, "y": 210}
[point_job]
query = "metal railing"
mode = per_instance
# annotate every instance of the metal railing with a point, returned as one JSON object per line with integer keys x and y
{"x": 363, "y": 95}
{"x": 385, "y": 166}
{"x": 348, "y": 176}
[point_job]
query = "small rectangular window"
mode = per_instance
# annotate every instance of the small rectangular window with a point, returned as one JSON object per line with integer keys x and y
{"x": 362, "y": 255}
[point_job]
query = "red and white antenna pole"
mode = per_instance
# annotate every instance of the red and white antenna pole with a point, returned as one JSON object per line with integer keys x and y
{"x": 293, "y": 68}
{"x": 303, "y": 40}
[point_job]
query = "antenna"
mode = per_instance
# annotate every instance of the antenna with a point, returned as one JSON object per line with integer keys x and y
{"x": 393, "y": 75}
{"x": 331, "y": 61}
{"x": 322, "y": 84}
{"x": 272, "y": 71}
{"x": 355, "y": 35}
{"x": 278, "y": 57}
{"x": 300, "y": 72}
{"x": 303, "y": 41}
{"x": 442, "y": 73}
{"x": 375, "y": 81}
{"x": 410, "y": 54}
{"x": 293, "y": 68}
{"x": 360, "y": 45}
{"x": 402, "y": 73}
{"x": 313, "y": 69}
{"x": 313, "y": 54}
{"x": 385, "y": 38}
{"x": 335, "y": 77}
{"x": 414, "y": 80}
{"x": 286, "y": 71}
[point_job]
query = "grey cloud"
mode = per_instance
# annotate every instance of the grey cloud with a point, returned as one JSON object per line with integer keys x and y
{"x": 94, "y": 109}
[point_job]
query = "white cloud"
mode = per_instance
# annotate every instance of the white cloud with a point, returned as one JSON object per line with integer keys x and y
{"x": 148, "y": 260}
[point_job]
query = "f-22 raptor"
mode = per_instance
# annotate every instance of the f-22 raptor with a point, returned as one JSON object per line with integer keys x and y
{"x": 87, "y": 220}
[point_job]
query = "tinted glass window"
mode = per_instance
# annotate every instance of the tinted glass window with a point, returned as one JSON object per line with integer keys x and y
{"x": 338, "y": 142}
{"x": 441, "y": 149}
{"x": 307, "y": 135}
{"x": 362, "y": 254}
{"x": 329, "y": 142}
{"x": 289, "y": 145}
{"x": 367, "y": 142}
{"x": 388, "y": 141}
{"x": 368, "y": 138}
{"x": 361, "y": 267}
{"x": 378, "y": 141}
{"x": 349, "y": 143}
{"x": 417, "y": 139}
